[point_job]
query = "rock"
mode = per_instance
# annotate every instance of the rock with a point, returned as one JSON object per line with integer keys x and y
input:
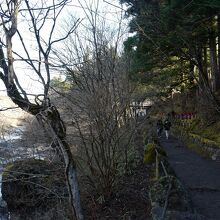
{"x": 216, "y": 155}
{"x": 33, "y": 184}
{"x": 3, "y": 204}
{"x": 150, "y": 153}
{"x": 3, "y": 210}
{"x": 156, "y": 211}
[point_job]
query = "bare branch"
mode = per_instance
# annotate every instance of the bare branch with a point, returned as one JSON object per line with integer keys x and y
{"x": 9, "y": 108}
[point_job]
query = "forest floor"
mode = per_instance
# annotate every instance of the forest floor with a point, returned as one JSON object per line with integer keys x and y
{"x": 131, "y": 198}
{"x": 199, "y": 175}
{"x": 131, "y": 201}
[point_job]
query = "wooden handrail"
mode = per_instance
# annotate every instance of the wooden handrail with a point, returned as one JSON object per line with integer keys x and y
{"x": 157, "y": 166}
{"x": 170, "y": 184}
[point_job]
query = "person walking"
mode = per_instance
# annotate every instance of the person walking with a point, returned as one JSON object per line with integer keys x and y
{"x": 167, "y": 125}
{"x": 159, "y": 127}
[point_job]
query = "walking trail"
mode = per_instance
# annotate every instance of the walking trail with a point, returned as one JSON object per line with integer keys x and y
{"x": 200, "y": 176}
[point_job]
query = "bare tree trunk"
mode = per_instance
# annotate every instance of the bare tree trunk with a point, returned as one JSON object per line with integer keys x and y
{"x": 50, "y": 119}
{"x": 204, "y": 84}
{"x": 205, "y": 60}
{"x": 191, "y": 74}
{"x": 213, "y": 62}
{"x": 203, "y": 75}
{"x": 41, "y": 108}
{"x": 218, "y": 34}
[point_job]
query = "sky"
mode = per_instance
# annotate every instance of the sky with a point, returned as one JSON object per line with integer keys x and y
{"x": 108, "y": 10}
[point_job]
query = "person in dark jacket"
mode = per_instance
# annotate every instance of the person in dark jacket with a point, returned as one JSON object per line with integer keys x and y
{"x": 167, "y": 125}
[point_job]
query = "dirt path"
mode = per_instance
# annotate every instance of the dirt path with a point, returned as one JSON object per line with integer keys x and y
{"x": 199, "y": 175}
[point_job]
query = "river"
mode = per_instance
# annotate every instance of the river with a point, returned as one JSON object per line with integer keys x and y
{"x": 10, "y": 145}
{"x": 12, "y": 148}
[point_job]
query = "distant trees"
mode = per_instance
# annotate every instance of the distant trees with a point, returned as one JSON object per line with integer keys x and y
{"x": 178, "y": 38}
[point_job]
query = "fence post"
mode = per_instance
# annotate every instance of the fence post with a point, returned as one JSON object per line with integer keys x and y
{"x": 170, "y": 184}
{"x": 157, "y": 165}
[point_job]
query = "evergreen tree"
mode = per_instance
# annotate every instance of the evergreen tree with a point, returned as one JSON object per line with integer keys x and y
{"x": 178, "y": 38}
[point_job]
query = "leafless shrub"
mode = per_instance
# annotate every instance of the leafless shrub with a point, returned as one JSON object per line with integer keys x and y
{"x": 99, "y": 102}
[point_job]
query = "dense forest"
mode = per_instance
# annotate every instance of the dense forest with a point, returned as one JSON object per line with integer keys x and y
{"x": 175, "y": 43}
{"x": 88, "y": 146}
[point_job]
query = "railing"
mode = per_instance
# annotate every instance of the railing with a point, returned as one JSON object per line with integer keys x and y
{"x": 157, "y": 177}
{"x": 157, "y": 165}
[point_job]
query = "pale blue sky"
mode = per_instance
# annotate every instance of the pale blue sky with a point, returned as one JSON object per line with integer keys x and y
{"x": 110, "y": 13}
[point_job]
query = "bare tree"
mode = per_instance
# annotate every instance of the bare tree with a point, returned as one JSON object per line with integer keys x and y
{"x": 100, "y": 98}
{"x": 41, "y": 17}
